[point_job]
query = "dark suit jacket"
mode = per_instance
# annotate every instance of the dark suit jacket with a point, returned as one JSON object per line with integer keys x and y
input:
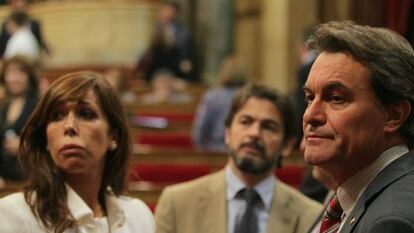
{"x": 387, "y": 204}
{"x": 9, "y": 168}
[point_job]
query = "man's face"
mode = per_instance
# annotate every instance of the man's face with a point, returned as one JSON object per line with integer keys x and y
{"x": 255, "y": 136}
{"x": 343, "y": 123}
{"x": 167, "y": 14}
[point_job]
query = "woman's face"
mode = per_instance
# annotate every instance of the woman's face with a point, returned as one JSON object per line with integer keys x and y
{"x": 16, "y": 79}
{"x": 78, "y": 136}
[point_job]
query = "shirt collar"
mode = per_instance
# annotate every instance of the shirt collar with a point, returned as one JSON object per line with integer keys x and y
{"x": 349, "y": 192}
{"x": 265, "y": 188}
{"x": 77, "y": 207}
{"x": 81, "y": 211}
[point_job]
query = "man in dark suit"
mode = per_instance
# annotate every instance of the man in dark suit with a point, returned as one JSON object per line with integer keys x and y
{"x": 359, "y": 125}
{"x": 34, "y": 25}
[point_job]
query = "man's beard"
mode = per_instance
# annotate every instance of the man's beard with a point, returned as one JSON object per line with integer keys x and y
{"x": 259, "y": 166}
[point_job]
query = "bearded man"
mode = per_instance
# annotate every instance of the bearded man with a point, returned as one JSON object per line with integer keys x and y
{"x": 245, "y": 196}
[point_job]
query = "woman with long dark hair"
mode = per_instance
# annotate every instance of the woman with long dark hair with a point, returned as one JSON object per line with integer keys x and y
{"x": 74, "y": 151}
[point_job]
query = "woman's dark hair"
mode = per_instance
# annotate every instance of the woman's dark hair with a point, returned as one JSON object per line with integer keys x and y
{"x": 26, "y": 66}
{"x": 45, "y": 191}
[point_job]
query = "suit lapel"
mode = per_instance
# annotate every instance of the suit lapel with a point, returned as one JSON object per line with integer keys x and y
{"x": 212, "y": 202}
{"x": 386, "y": 177}
{"x": 282, "y": 217}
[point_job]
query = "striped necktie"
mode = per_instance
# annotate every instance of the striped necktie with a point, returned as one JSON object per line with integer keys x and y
{"x": 331, "y": 219}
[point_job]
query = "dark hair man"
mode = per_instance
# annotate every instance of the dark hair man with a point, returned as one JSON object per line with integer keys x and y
{"x": 244, "y": 196}
{"x": 358, "y": 124}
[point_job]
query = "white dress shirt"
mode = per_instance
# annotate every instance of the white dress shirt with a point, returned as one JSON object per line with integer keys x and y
{"x": 236, "y": 207}
{"x": 124, "y": 215}
{"x": 24, "y": 43}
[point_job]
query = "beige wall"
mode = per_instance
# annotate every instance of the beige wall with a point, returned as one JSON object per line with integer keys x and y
{"x": 266, "y": 38}
{"x": 302, "y": 14}
{"x": 94, "y": 32}
{"x": 116, "y": 32}
{"x": 282, "y": 24}
{"x": 267, "y": 34}
{"x": 247, "y": 35}
{"x": 275, "y": 42}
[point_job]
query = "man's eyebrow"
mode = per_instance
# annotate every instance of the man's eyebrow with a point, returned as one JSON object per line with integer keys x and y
{"x": 329, "y": 86}
{"x": 272, "y": 121}
{"x": 335, "y": 86}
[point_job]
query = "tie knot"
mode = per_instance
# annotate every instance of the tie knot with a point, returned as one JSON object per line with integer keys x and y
{"x": 334, "y": 210}
{"x": 250, "y": 195}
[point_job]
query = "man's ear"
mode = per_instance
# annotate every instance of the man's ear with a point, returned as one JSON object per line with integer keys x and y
{"x": 288, "y": 146}
{"x": 396, "y": 114}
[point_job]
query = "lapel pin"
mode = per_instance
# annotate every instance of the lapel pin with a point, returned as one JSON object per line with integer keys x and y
{"x": 352, "y": 221}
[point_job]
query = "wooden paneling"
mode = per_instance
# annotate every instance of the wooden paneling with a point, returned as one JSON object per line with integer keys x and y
{"x": 94, "y": 32}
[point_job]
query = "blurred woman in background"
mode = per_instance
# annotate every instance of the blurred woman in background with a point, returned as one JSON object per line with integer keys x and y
{"x": 20, "y": 82}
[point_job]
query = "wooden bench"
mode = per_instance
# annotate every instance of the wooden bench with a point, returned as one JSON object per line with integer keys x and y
{"x": 144, "y": 154}
{"x": 161, "y": 108}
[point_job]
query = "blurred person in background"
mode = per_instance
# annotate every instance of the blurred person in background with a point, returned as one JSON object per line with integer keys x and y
{"x": 116, "y": 76}
{"x": 165, "y": 89}
{"x": 75, "y": 151}
{"x": 208, "y": 127}
{"x": 22, "y": 41}
{"x": 170, "y": 47}
{"x": 32, "y": 24}
{"x": 20, "y": 81}
{"x": 307, "y": 58}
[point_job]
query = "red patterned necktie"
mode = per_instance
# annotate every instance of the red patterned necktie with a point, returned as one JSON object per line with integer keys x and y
{"x": 331, "y": 219}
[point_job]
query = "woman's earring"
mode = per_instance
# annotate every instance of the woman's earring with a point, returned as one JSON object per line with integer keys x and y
{"x": 113, "y": 146}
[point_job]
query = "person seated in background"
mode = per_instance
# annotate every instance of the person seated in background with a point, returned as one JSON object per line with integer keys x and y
{"x": 20, "y": 81}
{"x": 74, "y": 152}
{"x": 164, "y": 89}
{"x": 34, "y": 26}
{"x": 307, "y": 57}
{"x": 208, "y": 126}
{"x": 170, "y": 46}
{"x": 313, "y": 188}
{"x": 245, "y": 196}
{"x": 22, "y": 41}
{"x": 119, "y": 81}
